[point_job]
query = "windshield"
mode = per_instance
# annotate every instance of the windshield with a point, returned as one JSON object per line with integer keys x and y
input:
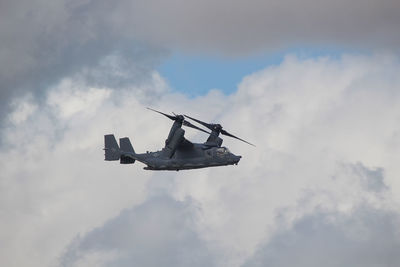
{"x": 222, "y": 150}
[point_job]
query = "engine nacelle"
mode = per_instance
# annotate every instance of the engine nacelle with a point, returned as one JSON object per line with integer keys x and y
{"x": 174, "y": 142}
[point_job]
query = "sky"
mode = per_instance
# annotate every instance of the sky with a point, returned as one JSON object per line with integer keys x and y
{"x": 315, "y": 85}
{"x": 196, "y": 74}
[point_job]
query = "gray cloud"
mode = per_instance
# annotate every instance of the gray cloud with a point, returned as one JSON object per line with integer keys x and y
{"x": 370, "y": 179}
{"x": 159, "y": 232}
{"x": 45, "y": 41}
{"x": 245, "y": 26}
{"x": 365, "y": 237}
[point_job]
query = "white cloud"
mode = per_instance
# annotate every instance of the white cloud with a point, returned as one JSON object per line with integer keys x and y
{"x": 327, "y": 136}
{"x": 45, "y": 41}
{"x": 69, "y": 101}
{"x": 23, "y": 108}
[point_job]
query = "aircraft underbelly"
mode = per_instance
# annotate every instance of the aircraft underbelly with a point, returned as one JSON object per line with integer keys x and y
{"x": 186, "y": 164}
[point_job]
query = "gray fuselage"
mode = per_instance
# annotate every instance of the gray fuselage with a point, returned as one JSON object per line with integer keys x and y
{"x": 194, "y": 157}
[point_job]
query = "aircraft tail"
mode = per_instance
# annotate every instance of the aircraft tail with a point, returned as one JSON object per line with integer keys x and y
{"x": 112, "y": 151}
{"x": 126, "y": 146}
{"x": 124, "y": 152}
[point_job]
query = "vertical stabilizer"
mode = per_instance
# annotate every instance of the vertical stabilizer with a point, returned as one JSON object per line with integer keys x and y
{"x": 125, "y": 145}
{"x": 111, "y": 148}
{"x": 127, "y": 151}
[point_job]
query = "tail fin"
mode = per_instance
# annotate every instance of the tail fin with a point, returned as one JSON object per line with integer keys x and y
{"x": 125, "y": 145}
{"x": 111, "y": 148}
{"x": 126, "y": 150}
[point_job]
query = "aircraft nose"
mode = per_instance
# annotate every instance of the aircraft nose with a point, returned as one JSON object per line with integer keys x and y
{"x": 237, "y": 159}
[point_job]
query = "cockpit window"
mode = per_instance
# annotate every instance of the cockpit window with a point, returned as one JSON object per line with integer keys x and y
{"x": 222, "y": 151}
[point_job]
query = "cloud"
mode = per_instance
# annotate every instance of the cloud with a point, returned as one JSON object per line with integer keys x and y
{"x": 326, "y": 130}
{"x": 161, "y": 231}
{"x": 239, "y": 27}
{"x": 45, "y": 41}
{"x": 327, "y": 137}
{"x": 371, "y": 180}
{"x": 365, "y": 237}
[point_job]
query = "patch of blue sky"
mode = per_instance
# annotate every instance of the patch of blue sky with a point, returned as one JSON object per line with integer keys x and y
{"x": 197, "y": 74}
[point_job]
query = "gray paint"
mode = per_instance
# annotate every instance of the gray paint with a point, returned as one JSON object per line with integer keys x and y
{"x": 186, "y": 156}
{"x": 178, "y": 153}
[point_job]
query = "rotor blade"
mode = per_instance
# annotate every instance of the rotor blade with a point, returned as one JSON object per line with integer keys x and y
{"x": 166, "y": 115}
{"x": 188, "y": 124}
{"x": 231, "y": 135}
{"x": 209, "y": 126}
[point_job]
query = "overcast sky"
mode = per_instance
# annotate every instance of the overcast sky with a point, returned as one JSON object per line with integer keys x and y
{"x": 320, "y": 188}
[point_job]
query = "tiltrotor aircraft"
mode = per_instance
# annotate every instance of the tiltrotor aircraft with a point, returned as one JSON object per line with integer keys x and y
{"x": 178, "y": 153}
